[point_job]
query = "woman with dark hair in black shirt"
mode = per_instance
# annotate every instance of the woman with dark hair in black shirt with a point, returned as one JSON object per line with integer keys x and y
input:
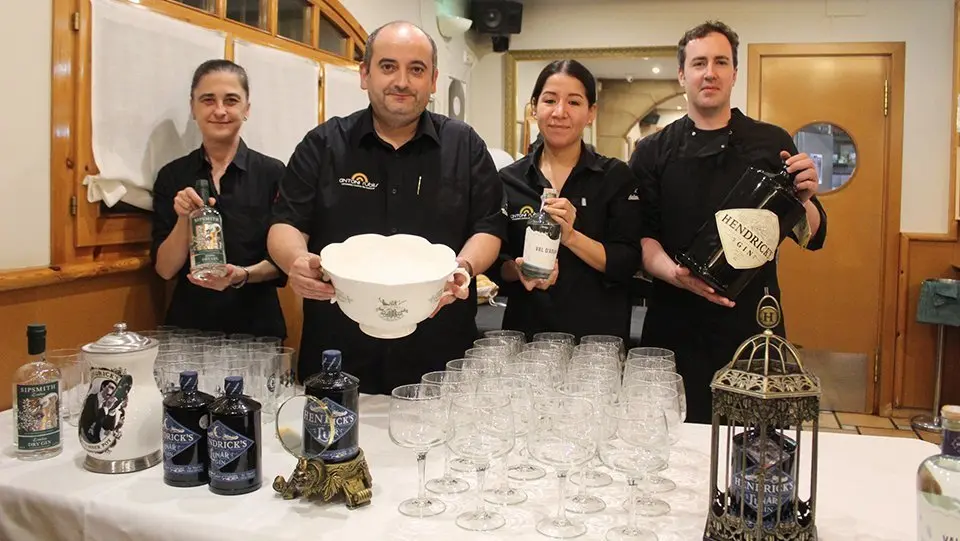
{"x": 243, "y": 187}
{"x": 597, "y": 209}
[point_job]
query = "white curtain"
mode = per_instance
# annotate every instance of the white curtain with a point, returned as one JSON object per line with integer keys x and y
{"x": 142, "y": 64}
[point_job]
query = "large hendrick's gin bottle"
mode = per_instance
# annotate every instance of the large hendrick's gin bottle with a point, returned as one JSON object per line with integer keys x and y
{"x": 732, "y": 246}
{"x": 185, "y": 422}
{"x": 339, "y": 391}
{"x": 234, "y": 441}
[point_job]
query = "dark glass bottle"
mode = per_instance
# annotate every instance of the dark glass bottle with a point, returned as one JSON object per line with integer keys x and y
{"x": 771, "y": 453}
{"x": 234, "y": 441}
{"x": 339, "y": 391}
{"x": 185, "y": 422}
{"x": 731, "y": 247}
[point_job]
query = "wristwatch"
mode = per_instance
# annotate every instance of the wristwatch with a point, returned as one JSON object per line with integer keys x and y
{"x": 246, "y": 276}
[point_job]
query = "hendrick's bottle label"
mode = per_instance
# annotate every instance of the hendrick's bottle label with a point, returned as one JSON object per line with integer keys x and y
{"x": 749, "y": 236}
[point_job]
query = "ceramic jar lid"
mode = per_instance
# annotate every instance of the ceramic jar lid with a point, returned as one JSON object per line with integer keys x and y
{"x": 121, "y": 341}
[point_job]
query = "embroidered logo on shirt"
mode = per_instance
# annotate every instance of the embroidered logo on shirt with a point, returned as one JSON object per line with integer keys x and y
{"x": 359, "y": 180}
{"x": 525, "y": 213}
{"x": 634, "y": 195}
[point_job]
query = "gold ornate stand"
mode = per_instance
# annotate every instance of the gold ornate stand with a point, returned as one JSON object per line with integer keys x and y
{"x": 313, "y": 477}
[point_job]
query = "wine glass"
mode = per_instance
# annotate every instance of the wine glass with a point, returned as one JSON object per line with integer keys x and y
{"x": 481, "y": 430}
{"x": 562, "y": 437}
{"x": 635, "y": 442}
{"x": 419, "y": 421}
{"x": 451, "y": 383}
{"x": 521, "y": 401}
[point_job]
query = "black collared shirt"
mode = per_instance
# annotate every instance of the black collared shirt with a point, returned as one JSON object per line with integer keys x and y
{"x": 583, "y": 300}
{"x": 344, "y": 180}
{"x": 247, "y": 190}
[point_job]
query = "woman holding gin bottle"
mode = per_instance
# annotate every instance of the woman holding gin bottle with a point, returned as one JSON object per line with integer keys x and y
{"x": 592, "y": 197}
{"x": 243, "y": 185}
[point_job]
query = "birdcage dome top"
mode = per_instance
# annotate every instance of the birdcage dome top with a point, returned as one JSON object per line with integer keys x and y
{"x": 766, "y": 365}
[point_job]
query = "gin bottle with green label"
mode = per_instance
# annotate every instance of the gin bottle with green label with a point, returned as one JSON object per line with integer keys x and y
{"x": 541, "y": 241}
{"x": 36, "y": 401}
{"x": 208, "y": 258}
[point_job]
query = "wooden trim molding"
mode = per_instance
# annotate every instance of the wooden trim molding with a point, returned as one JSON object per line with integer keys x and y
{"x": 45, "y": 276}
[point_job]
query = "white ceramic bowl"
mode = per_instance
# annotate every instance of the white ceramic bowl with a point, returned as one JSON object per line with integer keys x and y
{"x": 388, "y": 284}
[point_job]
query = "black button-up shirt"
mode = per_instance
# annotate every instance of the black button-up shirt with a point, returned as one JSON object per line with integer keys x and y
{"x": 248, "y": 188}
{"x": 344, "y": 180}
{"x": 583, "y": 300}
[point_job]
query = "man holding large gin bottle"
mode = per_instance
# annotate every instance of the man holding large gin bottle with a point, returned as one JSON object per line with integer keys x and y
{"x": 687, "y": 171}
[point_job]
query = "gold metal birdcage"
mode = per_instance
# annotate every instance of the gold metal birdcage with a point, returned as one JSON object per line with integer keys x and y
{"x": 761, "y": 487}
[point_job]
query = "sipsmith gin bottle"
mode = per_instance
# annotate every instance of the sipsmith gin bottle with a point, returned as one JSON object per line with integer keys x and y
{"x": 185, "y": 423}
{"x": 541, "y": 242}
{"x": 36, "y": 401}
{"x": 938, "y": 485}
{"x": 233, "y": 441}
{"x": 207, "y": 254}
{"x": 339, "y": 391}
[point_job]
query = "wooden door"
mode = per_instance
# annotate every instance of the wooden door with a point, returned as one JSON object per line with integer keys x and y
{"x": 833, "y": 298}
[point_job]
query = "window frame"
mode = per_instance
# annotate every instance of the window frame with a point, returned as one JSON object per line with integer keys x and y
{"x": 81, "y": 233}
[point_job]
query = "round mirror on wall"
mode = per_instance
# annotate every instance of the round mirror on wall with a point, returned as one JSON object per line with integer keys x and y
{"x": 833, "y": 152}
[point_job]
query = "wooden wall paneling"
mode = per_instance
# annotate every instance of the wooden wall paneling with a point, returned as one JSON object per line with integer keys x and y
{"x": 922, "y": 257}
{"x": 75, "y": 313}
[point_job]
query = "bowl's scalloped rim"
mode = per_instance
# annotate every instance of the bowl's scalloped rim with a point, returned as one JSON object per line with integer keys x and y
{"x": 415, "y": 238}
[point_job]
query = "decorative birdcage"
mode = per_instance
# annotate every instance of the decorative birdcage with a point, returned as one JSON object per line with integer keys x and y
{"x": 761, "y": 488}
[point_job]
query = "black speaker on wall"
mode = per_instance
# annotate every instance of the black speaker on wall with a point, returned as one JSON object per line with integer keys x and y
{"x": 497, "y": 17}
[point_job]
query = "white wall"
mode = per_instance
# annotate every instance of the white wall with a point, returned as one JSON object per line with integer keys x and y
{"x": 454, "y": 56}
{"x": 925, "y": 25}
{"x": 26, "y": 37}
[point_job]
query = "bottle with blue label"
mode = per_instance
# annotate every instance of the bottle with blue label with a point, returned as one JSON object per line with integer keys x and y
{"x": 185, "y": 422}
{"x": 233, "y": 441}
{"x": 340, "y": 392}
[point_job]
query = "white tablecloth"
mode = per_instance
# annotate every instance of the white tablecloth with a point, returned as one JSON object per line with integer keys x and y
{"x": 866, "y": 492}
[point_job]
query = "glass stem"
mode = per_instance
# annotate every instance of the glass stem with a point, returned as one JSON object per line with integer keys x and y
{"x": 447, "y": 472}
{"x": 582, "y": 491}
{"x": 481, "y": 476}
{"x": 561, "y": 508}
{"x": 422, "y": 472}
{"x": 632, "y": 518}
{"x": 505, "y": 479}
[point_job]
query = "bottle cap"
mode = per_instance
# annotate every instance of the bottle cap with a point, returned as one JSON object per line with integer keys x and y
{"x": 188, "y": 380}
{"x": 36, "y": 338}
{"x": 950, "y": 413}
{"x": 233, "y": 385}
{"x": 203, "y": 190}
{"x": 331, "y": 361}
{"x": 550, "y": 192}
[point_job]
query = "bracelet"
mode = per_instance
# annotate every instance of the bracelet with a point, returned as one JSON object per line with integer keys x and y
{"x": 467, "y": 266}
{"x": 246, "y": 276}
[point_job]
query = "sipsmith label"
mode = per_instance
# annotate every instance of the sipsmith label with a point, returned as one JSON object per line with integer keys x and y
{"x": 177, "y": 439}
{"x": 749, "y": 236}
{"x": 38, "y": 416}
{"x": 207, "y": 248}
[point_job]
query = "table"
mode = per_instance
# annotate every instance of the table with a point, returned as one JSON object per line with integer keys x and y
{"x": 866, "y": 493}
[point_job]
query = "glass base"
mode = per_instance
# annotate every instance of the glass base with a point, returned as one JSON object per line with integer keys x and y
{"x": 447, "y": 485}
{"x": 648, "y": 507}
{"x": 592, "y": 479}
{"x": 526, "y": 472}
{"x": 585, "y": 504}
{"x": 561, "y": 529}
{"x": 927, "y": 423}
{"x": 626, "y": 533}
{"x": 462, "y": 466}
{"x": 659, "y": 485}
{"x": 481, "y": 522}
{"x": 415, "y": 507}
{"x": 508, "y": 496}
